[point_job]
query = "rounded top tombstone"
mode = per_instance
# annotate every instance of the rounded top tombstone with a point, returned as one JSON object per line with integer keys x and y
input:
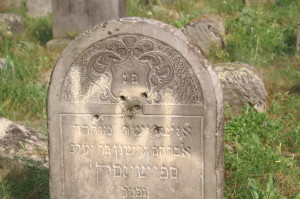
{"x": 135, "y": 111}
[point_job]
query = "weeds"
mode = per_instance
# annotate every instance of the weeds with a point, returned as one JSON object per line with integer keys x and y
{"x": 23, "y": 181}
{"x": 40, "y": 29}
{"x": 261, "y": 149}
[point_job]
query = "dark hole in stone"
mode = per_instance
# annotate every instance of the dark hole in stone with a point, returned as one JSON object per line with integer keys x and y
{"x": 145, "y": 95}
{"x": 123, "y": 98}
{"x": 96, "y": 117}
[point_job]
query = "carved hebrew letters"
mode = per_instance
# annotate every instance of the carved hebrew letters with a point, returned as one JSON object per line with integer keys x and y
{"x": 93, "y": 140}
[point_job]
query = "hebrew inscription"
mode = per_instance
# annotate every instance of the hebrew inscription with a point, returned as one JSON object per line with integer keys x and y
{"x": 110, "y": 149}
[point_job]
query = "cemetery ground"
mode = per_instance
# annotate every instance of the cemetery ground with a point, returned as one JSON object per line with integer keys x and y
{"x": 262, "y": 156}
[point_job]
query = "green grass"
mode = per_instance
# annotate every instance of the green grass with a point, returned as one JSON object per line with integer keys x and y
{"x": 23, "y": 182}
{"x": 262, "y": 154}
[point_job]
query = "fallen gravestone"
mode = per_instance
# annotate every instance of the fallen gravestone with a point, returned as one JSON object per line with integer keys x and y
{"x": 6, "y": 5}
{"x": 135, "y": 111}
{"x": 73, "y": 17}
{"x": 18, "y": 141}
{"x": 207, "y": 31}
{"x": 241, "y": 84}
{"x": 38, "y": 8}
{"x": 11, "y": 24}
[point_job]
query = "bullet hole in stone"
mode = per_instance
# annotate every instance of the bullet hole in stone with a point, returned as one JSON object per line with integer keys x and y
{"x": 109, "y": 33}
{"x": 123, "y": 98}
{"x": 145, "y": 95}
{"x": 96, "y": 117}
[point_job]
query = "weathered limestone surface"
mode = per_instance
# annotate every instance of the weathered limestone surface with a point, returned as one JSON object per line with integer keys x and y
{"x": 241, "y": 84}
{"x": 20, "y": 141}
{"x": 206, "y": 31}
{"x": 11, "y": 23}
{"x": 38, "y": 8}
{"x": 135, "y": 110}
{"x": 8, "y": 4}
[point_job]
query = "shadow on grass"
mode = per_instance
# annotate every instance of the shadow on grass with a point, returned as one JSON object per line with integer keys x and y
{"x": 18, "y": 181}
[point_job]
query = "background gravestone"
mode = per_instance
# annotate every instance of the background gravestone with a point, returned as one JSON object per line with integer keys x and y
{"x": 207, "y": 31}
{"x": 135, "y": 111}
{"x": 242, "y": 84}
{"x": 73, "y": 17}
{"x": 38, "y": 8}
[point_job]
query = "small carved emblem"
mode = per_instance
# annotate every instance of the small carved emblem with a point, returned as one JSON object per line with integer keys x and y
{"x": 128, "y": 65}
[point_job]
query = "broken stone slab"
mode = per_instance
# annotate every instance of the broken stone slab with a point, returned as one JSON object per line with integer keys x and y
{"x": 21, "y": 142}
{"x": 38, "y": 8}
{"x": 241, "y": 84}
{"x": 206, "y": 31}
{"x": 11, "y": 24}
{"x": 6, "y": 5}
{"x": 2, "y": 62}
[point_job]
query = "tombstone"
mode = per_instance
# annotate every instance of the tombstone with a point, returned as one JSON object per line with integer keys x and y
{"x": 38, "y": 8}
{"x": 242, "y": 84}
{"x": 207, "y": 31}
{"x": 73, "y": 17}
{"x": 135, "y": 111}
